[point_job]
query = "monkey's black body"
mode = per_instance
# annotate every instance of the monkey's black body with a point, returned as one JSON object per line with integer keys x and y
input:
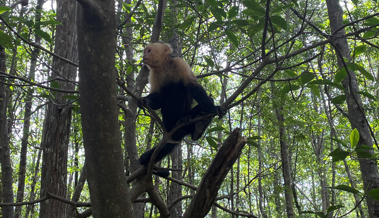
{"x": 175, "y": 101}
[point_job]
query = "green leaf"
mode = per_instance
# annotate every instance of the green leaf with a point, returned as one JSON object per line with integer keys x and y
{"x": 372, "y": 21}
{"x": 327, "y": 82}
{"x": 4, "y": 9}
{"x": 215, "y": 129}
{"x": 340, "y": 141}
{"x": 187, "y": 23}
{"x": 209, "y": 62}
{"x": 200, "y": 7}
{"x": 370, "y": 34}
{"x": 254, "y": 29}
{"x": 212, "y": 27}
{"x": 290, "y": 73}
{"x": 252, "y": 141}
{"x": 279, "y": 21}
{"x": 345, "y": 188}
{"x": 241, "y": 23}
{"x": 374, "y": 194}
{"x": 215, "y": 13}
{"x": 43, "y": 35}
{"x": 129, "y": 69}
{"x": 359, "y": 50}
{"x": 54, "y": 84}
{"x": 212, "y": 3}
{"x": 48, "y": 23}
{"x": 355, "y": 2}
{"x": 354, "y": 138}
{"x": 340, "y": 75}
{"x": 364, "y": 72}
{"x": 211, "y": 142}
{"x": 364, "y": 151}
{"x": 256, "y": 7}
{"x": 6, "y": 40}
{"x": 333, "y": 208}
{"x": 368, "y": 95}
{"x": 338, "y": 154}
{"x": 254, "y": 14}
{"x": 287, "y": 88}
{"x": 339, "y": 99}
{"x": 306, "y": 77}
{"x": 315, "y": 90}
{"x": 218, "y": 11}
{"x": 232, "y": 38}
{"x": 233, "y": 12}
{"x": 280, "y": 9}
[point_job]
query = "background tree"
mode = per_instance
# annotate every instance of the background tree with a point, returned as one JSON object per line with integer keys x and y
{"x": 57, "y": 124}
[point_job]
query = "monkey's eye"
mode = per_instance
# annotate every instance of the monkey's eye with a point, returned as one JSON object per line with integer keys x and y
{"x": 149, "y": 50}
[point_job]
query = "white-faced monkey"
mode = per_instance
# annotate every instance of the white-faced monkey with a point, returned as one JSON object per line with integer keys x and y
{"x": 173, "y": 88}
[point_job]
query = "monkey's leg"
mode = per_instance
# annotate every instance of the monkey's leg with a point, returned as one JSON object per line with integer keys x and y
{"x": 167, "y": 149}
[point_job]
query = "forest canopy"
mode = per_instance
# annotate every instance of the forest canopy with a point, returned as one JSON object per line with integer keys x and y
{"x": 298, "y": 81}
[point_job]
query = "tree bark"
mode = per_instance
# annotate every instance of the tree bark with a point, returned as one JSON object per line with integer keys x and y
{"x": 32, "y": 193}
{"x": 57, "y": 123}
{"x": 176, "y": 156}
{"x": 285, "y": 156}
{"x": 369, "y": 167}
{"x": 211, "y": 182}
{"x": 98, "y": 103}
{"x": 5, "y": 159}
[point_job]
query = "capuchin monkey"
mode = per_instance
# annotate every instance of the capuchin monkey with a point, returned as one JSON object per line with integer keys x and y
{"x": 173, "y": 89}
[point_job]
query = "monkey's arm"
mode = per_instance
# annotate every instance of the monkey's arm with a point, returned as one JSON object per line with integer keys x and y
{"x": 153, "y": 100}
{"x": 205, "y": 103}
{"x": 200, "y": 95}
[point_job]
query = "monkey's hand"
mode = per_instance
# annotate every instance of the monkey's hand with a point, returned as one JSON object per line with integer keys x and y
{"x": 185, "y": 120}
{"x": 143, "y": 102}
{"x": 220, "y": 111}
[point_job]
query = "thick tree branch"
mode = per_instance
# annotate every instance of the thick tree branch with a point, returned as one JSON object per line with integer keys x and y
{"x": 213, "y": 178}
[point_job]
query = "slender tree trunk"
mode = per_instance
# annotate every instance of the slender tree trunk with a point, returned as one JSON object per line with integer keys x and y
{"x": 6, "y": 166}
{"x": 176, "y": 156}
{"x": 369, "y": 167}
{"x": 71, "y": 210}
{"x": 33, "y": 185}
{"x": 260, "y": 188}
{"x": 334, "y": 135}
{"x": 286, "y": 165}
{"x": 28, "y": 109}
{"x": 98, "y": 103}
{"x": 56, "y": 134}
{"x": 285, "y": 155}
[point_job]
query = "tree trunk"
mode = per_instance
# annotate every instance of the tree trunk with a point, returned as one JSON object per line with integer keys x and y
{"x": 56, "y": 134}
{"x": 260, "y": 188}
{"x": 6, "y": 166}
{"x": 32, "y": 194}
{"x": 369, "y": 167}
{"x": 28, "y": 109}
{"x": 98, "y": 104}
{"x": 285, "y": 156}
{"x": 176, "y": 155}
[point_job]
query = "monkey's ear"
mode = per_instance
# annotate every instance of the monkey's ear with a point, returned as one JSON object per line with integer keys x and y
{"x": 167, "y": 49}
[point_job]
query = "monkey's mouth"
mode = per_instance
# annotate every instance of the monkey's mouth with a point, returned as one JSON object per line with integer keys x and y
{"x": 145, "y": 59}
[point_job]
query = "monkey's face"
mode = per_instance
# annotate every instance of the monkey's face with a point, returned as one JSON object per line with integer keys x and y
{"x": 155, "y": 54}
{"x": 148, "y": 55}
